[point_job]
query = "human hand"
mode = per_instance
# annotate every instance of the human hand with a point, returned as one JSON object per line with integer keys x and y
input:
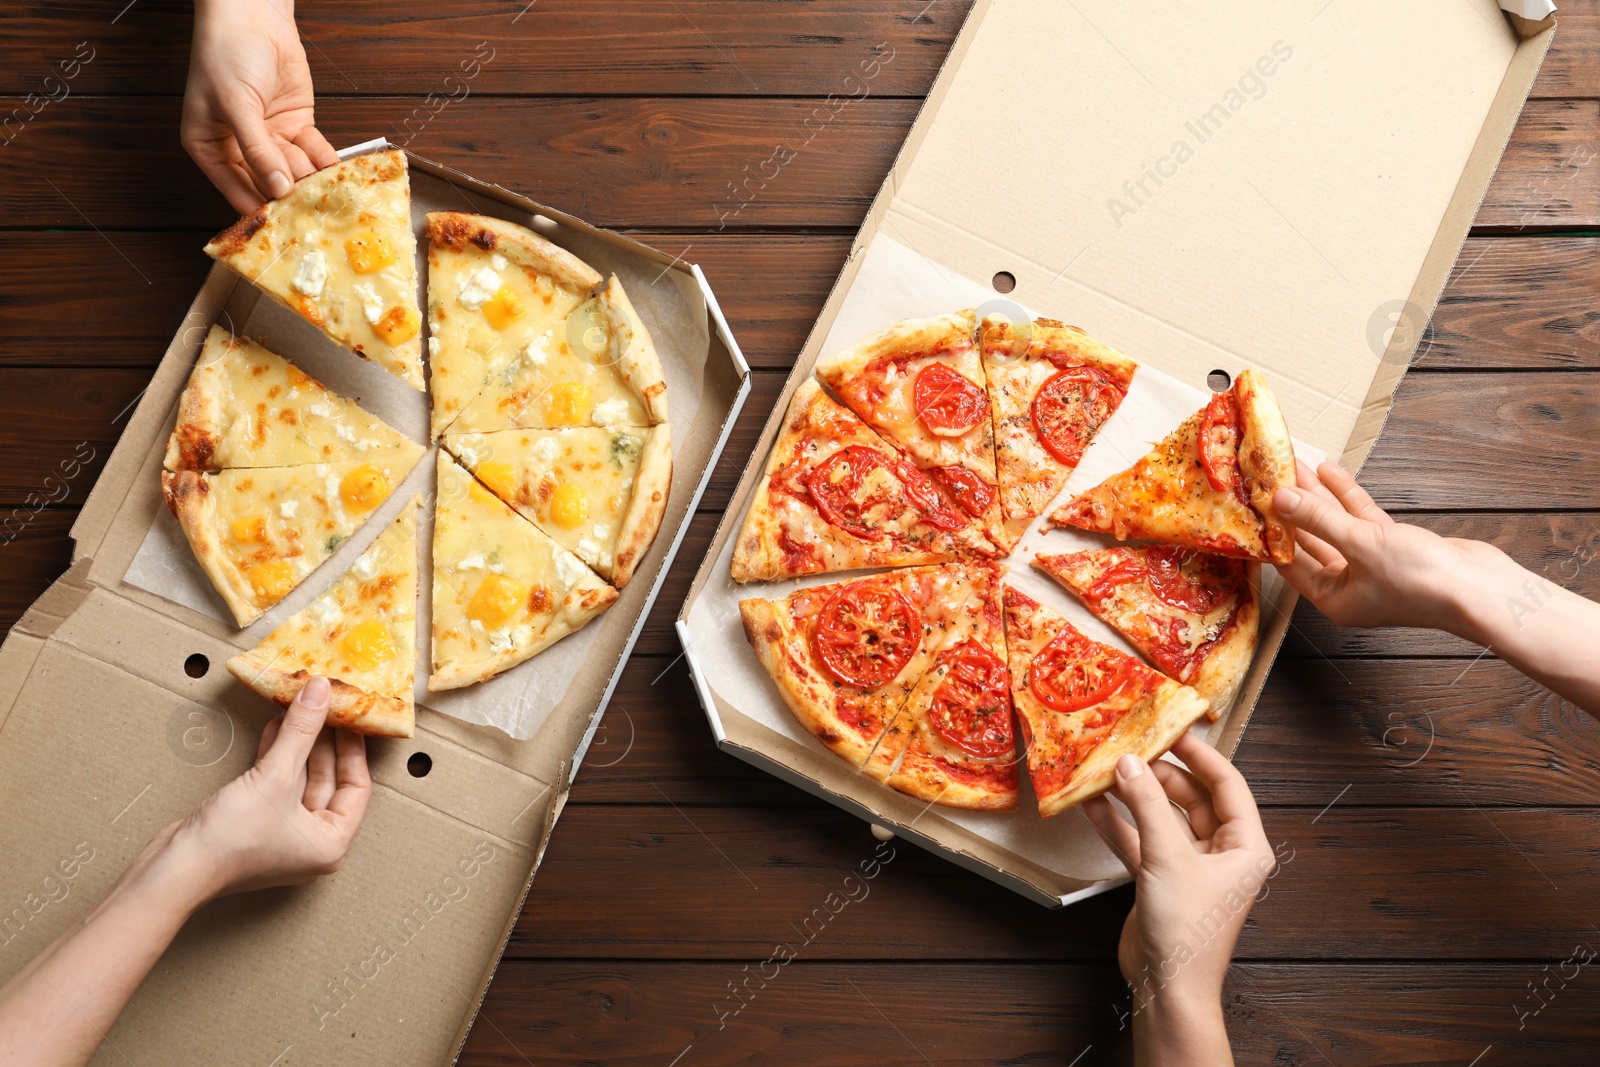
{"x": 247, "y": 108}
{"x": 290, "y": 818}
{"x": 1361, "y": 568}
{"x": 1197, "y": 874}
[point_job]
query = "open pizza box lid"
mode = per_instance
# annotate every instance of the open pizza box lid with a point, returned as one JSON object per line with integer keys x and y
{"x": 117, "y": 716}
{"x": 1225, "y": 186}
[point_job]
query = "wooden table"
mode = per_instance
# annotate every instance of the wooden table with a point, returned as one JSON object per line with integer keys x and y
{"x": 1439, "y": 808}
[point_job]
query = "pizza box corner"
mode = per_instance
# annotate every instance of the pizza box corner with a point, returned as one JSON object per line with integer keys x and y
{"x": 117, "y": 717}
{"x": 1218, "y": 189}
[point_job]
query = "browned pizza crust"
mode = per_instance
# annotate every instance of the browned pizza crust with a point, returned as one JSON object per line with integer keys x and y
{"x": 652, "y": 485}
{"x": 1266, "y": 459}
{"x": 457, "y": 231}
{"x": 1221, "y": 671}
{"x": 189, "y": 498}
{"x": 349, "y": 708}
{"x": 1147, "y": 731}
{"x": 637, "y": 362}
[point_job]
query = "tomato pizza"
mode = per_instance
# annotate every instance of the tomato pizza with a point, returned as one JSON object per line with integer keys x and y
{"x": 1194, "y": 614}
{"x": 1208, "y": 485}
{"x": 1083, "y": 705}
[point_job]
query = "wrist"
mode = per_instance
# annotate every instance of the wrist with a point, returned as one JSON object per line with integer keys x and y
{"x": 1181, "y": 1024}
{"x": 178, "y": 867}
{"x": 1475, "y": 590}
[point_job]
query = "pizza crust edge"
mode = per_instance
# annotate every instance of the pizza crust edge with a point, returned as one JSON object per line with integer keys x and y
{"x": 349, "y": 707}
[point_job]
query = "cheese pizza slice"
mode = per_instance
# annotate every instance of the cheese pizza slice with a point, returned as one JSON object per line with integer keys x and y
{"x": 598, "y": 492}
{"x": 258, "y": 532}
{"x": 1208, "y": 485}
{"x": 502, "y": 590}
{"x": 247, "y": 407}
{"x": 494, "y": 290}
{"x": 1084, "y": 705}
{"x": 920, "y": 383}
{"x": 954, "y": 743}
{"x": 847, "y": 655}
{"x": 597, "y": 367}
{"x": 1051, "y": 387}
{"x": 1194, "y": 614}
{"x": 361, "y": 635}
{"x": 340, "y": 251}
{"x": 835, "y": 496}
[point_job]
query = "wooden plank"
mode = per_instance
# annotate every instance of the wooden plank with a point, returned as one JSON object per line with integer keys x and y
{"x": 1518, "y": 302}
{"x": 60, "y": 427}
{"x": 640, "y": 1013}
{"x": 1572, "y": 66}
{"x": 645, "y": 48}
{"x": 679, "y": 163}
{"x": 34, "y": 551}
{"x": 1374, "y": 883}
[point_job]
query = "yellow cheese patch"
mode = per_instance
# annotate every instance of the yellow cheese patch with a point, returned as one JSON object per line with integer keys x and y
{"x": 498, "y": 600}
{"x": 367, "y": 644}
{"x": 503, "y": 308}
{"x": 249, "y": 530}
{"x": 369, "y": 252}
{"x": 271, "y": 580}
{"x": 364, "y": 488}
{"x": 569, "y": 506}
{"x": 398, "y": 325}
{"x": 498, "y": 475}
{"x": 568, "y": 403}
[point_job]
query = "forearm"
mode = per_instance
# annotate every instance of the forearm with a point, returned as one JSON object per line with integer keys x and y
{"x": 1180, "y": 1027}
{"x": 1546, "y": 632}
{"x": 58, "y": 1009}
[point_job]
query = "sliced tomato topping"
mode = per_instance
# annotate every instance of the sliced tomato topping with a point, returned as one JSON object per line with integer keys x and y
{"x": 1069, "y": 408}
{"x": 934, "y": 505}
{"x": 947, "y": 402}
{"x": 969, "y": 490}
{"x": 1128, "y": 569}
{"x": 971, "y": 709}
{"x": 835, "y": 488}
{"x": 1220, "y": 430}
{"x": 866, "y": 633}
{"x": 1072, "y": 672}
{"x": 1195, "y": 581}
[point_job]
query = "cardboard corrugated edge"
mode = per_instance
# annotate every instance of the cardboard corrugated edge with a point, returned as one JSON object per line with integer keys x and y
{"x": 1437, "y": 265}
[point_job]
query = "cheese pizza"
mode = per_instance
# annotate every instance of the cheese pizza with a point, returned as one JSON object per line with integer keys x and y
{"x": 1208, "y": 485}
{"x": 1194, "y": 614}
{"x": 361, "y": 635}
{"x": 1084, "y": 705}
{"x": 835, "y": 496}
{"x": 339, "y": 250}
{"x": 496, "y": 290}
{"x": 1051, "y": 388}
{"x": 258, "y": 532}
{"x": 920, "y": 383}
{"x": 502, "y": 590}
{"x": 846, "y": 656}
{"x": 247, "y": 407}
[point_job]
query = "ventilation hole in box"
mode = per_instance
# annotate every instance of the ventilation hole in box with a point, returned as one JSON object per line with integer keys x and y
{"x": 419, "y": 764}
{"x": 545, "y": 225}
{"x": 196, "y": 666}
{"x": 1219, "y": 380}
{"x": 1004, "y": 282}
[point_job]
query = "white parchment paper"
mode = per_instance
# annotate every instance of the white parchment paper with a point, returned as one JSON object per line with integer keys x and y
{"x": 897, "y": 283}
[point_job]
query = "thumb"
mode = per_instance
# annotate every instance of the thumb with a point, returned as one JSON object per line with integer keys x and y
{"x": 299, "y": 729}
{"x": 1315, "y": 515}
{"x": 266, "y": 160}
{"x": 1160, "y": 836}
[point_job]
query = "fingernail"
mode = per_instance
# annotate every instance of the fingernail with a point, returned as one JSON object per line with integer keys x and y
{"x": 278, "y": 184}
{"x": 1287, "y": 500}
{"x": 1129, "y": 767}
{"x": 314, "y": 694}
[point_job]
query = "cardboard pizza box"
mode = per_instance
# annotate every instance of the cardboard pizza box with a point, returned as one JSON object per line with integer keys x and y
{"x": 1227, "y": 186}
{"x": 117, "y": 716}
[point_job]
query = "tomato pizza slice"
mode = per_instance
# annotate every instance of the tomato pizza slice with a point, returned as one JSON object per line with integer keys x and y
{"x": 847, "y": 655}
{"x": 954, "y": 742}
{"x": 1194, "y": 614}
{"x": 1051, "y": 387}
{"x": 835, "y": 496}
{"x": 1208, "y": 485}
{"x": 1083, "y": 705}
{"x": 920, "y": 384}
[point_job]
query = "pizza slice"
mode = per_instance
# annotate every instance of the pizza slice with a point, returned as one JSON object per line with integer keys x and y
{"x": 339, "y": 250}
{"x": 1084, "y": 705}
{"x": 597, "y": 367}
{"x": 257, "y": 533}
{"x": 835, "y": 496}
{"x": 598, "y": 492}
{"x": 1051, "y": 387}
{"x": 920, "y": 383}
{"x": 502, "y": 591}
{"x": 1194, "y": 614}
{"x": 494, "y": 290}
{"x": 954, "y": 742}
{"x": 361, "y": 635}
{"x": 847, "y": 655}
{"x": 1208, "y": 485}
{"x": 247, "y": 407}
